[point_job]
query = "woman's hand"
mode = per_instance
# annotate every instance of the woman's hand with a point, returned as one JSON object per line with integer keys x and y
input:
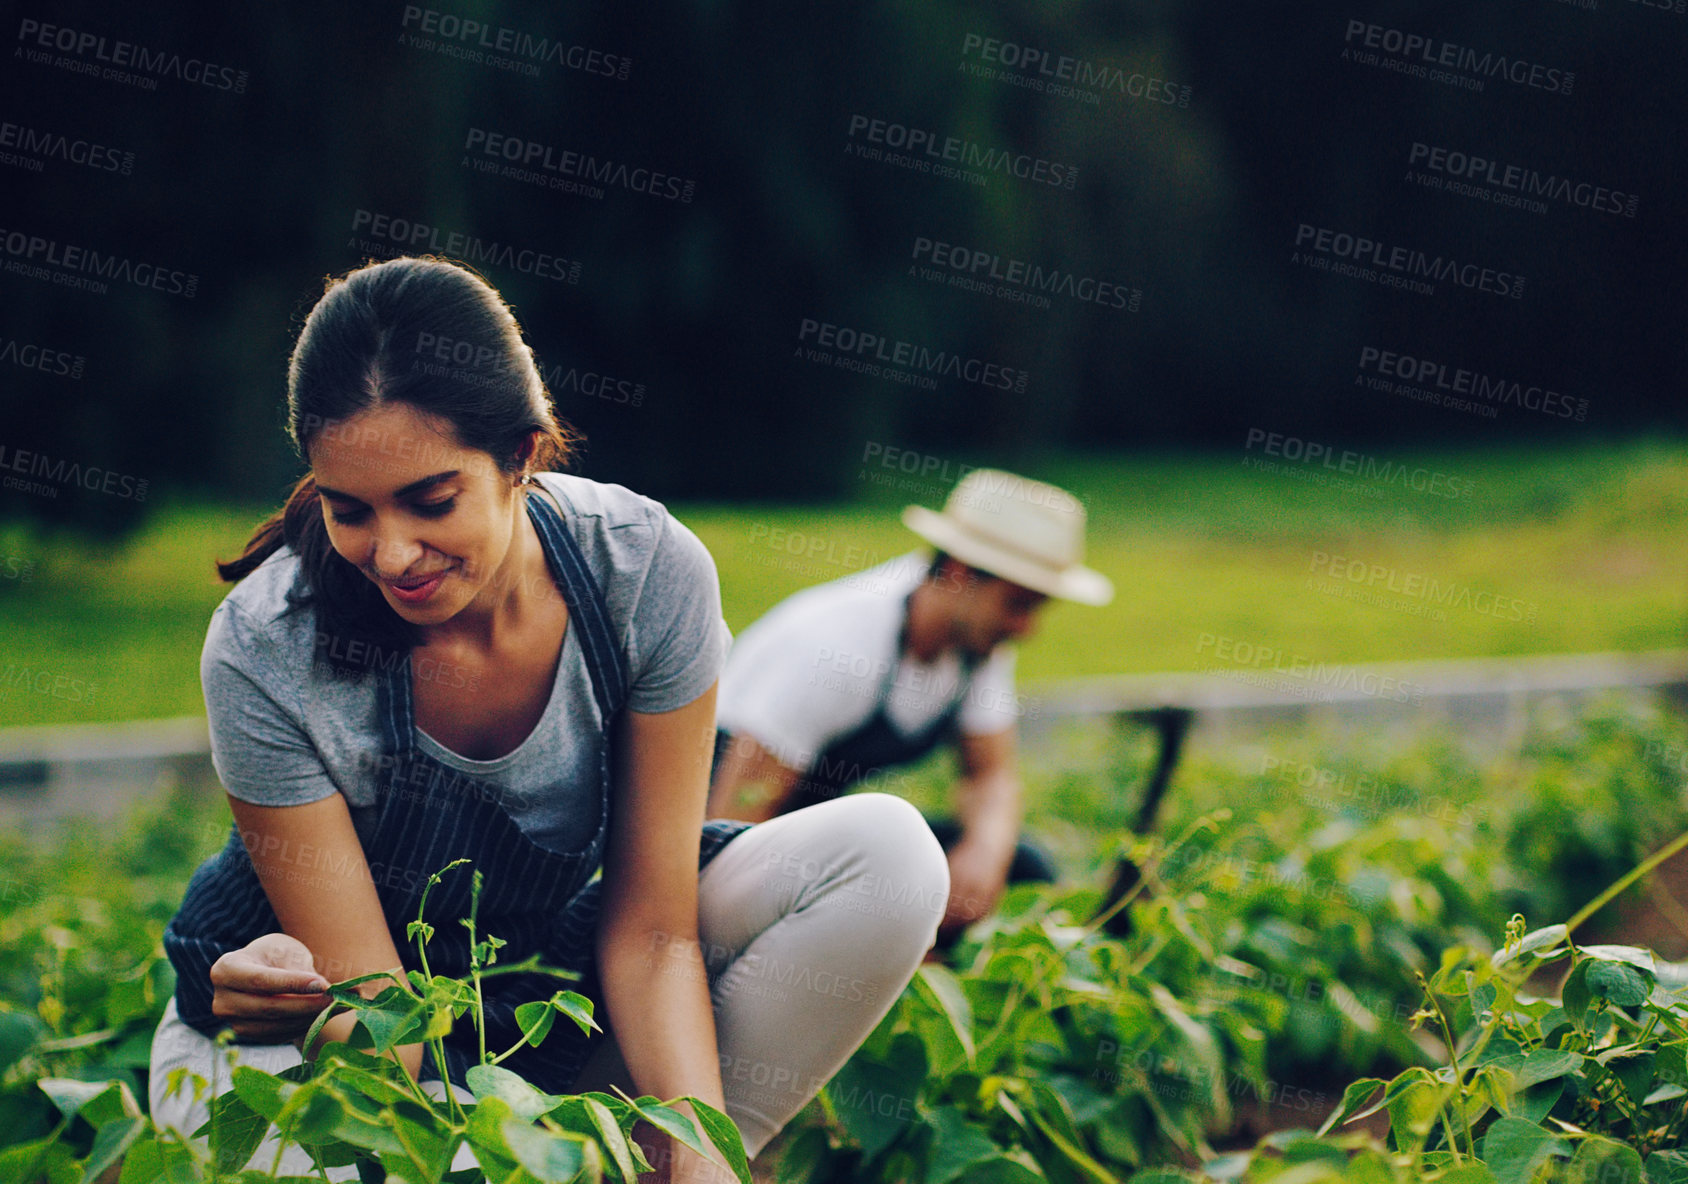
{"x": 268, "y": 991}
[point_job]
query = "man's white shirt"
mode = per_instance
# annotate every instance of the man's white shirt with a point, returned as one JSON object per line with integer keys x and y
{"x": 815, "y": 667}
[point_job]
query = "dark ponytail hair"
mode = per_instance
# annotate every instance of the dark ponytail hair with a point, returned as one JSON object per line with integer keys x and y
{"x": 427, "y": 332}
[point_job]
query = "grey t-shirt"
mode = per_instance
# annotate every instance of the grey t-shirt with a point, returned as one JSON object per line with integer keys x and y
{"x": 284, "y": 732}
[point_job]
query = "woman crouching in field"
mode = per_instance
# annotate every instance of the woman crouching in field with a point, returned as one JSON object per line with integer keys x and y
{"x": 439, "y": 649}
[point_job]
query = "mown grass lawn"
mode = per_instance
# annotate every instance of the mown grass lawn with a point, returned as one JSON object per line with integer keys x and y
{"x": 1546, "y": 550}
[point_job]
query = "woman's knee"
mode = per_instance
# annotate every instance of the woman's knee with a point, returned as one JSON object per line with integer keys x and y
{"x": 893, "y": 850}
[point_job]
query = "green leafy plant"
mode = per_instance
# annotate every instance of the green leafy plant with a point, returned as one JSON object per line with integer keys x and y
{"x": 1592, "y": 1086}
{"x": 1055, "y": 1053}
{"x": 356, "y": 1103}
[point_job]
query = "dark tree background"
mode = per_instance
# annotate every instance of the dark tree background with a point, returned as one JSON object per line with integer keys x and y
{"x": 257, "y": 190}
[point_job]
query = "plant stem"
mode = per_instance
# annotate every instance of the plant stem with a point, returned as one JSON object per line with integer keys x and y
{"x": 1094, "y": 925}
{"x": 1453, "y": 1055}
{"x": 1640, "y": 869}
{"x": 280, "y": 1150}
{"x": 475, "y": 963}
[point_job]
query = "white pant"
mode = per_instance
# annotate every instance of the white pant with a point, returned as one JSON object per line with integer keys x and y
{"x": 812, "y": 924}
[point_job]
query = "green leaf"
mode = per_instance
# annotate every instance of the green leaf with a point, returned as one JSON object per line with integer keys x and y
{"x": 535, "y": 1020}
{"x": 365, "y": 1125}
{"x": 1634, "y": 1069}
{"x": 938, "y": 986}
{"x": 806, "y": 1157}
{"x": 1575, "y": 995}
{"x": 1412, "y": 1108}
{"x": 612, "y": 1136}
{"x": 670, "y": 1122}
{"x": 1667, "y": 1167}
{"x": 1542, "y": 939}
{"x": 877, "y": 1100}
{"x": 1465, "y": 1173}
{"x": 1514, "y": 1149}
{"x": 1618, "y": 982}
{"x": 111, "y": 1142}
{"x": 1539, "y": 1065}
{"x": 1535, "y": 1103}
{"x": 103, "y": 1101}
{"x": 312, "y": 1114}
{"x": 957, "y": 1145}
{"x": 548, "y": 1156}
{"x": 1013, "y": 1167}
{"x": 263, "y": 1092}
{"x": 1066, "y": 1142}
{"x": 1603, "y": 1161}
{"x": 524, "y": 1100}
{"x": 392, "y": 1018}
{"x": 18, "y": 1033}
{"x": 426, "y": 1141}
{"x": 724, "y": 1133}
{"x": 1632, "y": 955}
{"x": 486, "y": 1126}
{"x": 151, "y": 1161}
{"x": 577, "y": 1007}
{"x": 235, "y": 1130}
{"x": 1353, "y": 1098}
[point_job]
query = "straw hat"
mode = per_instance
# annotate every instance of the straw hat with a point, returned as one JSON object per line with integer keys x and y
{"x": 1024, "y": 531}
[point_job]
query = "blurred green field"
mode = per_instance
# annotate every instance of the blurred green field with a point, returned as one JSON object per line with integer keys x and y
{"x": 1584, "y": 545}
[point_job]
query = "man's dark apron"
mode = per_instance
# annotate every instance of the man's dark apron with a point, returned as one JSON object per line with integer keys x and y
{"x": 427, "y": 815}
{"x": 877, "y": 745}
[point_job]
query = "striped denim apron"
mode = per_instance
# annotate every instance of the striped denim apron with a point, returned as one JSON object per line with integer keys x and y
{"x": 428, "y": 814}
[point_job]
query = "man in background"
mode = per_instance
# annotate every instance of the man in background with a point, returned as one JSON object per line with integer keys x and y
{"x": 842, "y": 683}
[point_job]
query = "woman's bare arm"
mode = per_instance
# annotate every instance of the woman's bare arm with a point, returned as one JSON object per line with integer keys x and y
{"x": 312, "y": 867}
{"x": 655, "y": 986}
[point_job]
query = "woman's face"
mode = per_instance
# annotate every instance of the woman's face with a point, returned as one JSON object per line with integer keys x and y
{"x": 429, "y": 521}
